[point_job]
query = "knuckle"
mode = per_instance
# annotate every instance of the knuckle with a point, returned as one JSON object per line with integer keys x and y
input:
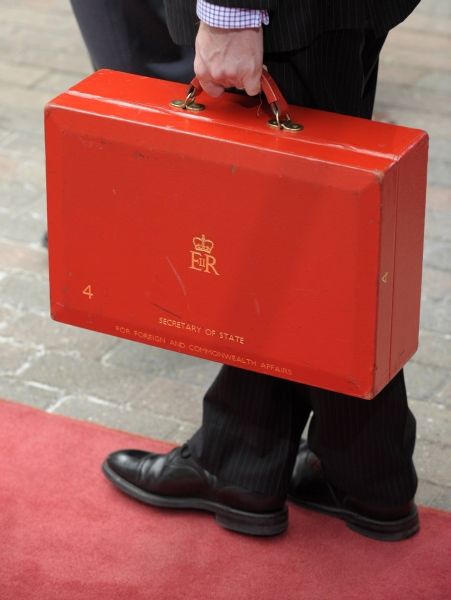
{"x": 200, "y": 69}
{"x": 230, "y": 74}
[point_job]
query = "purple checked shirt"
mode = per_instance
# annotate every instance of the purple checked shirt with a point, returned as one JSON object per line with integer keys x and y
{"x": 231, "y": 18}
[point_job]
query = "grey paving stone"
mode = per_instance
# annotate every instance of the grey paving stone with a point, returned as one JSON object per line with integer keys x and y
{"x": 435, "y": 58}
{"x": 439, "y": 149}
{"x": 436, "y": 315}
{"x": 424, "y": 382}
{"x": 8, "y": 314}
{"x": 436, "y": 284}
{"x": 437, "y": 8}
{"x": 156, "y": 362}
{"x": 36, "y": 206}
{"x": 22, "y": 183}
{"x": 57, "y": 82}
{"x": 30, "y": 394}
{"x": 430, "y": 494}
{"x": 29, "y": 144}
{"x": 75, "y": 376}
{"x": 166, "y": 397}
{"x": 20, "y": 257}
{"x": 151, "y": 360}
{"x": 119, "y": 417}
{"x": 29, "y": 13}
{"x": 434, "y": 124}
{"x": 437, "y": 254}
{"x": 25, "y": 227}
{"x": 439, "y": 172}
{"x": 24, "y": 30}
{"x": 438, "y": 226}
{"x": 419, "y": 21}
{"x": 431, "y": 462}
{"x": 22, "y": 108}
{"x": 7, "y": 165}
{"x": 25, "y": 290}
{"x": 433, "y": 421}
{"x": 412, "y": 97}
{"x": 5, "y": 135}
{"x": 391, "y": 72}
{"x": 434, "y": 349}
{"x": 444, "y": 396}
{"x": 14, "y": 196}
{"x": 438, "y": 198}
{"x": 41, "y": 329}
{"x": 131, "y": 355}
{"x": 20, "y": 44}
{"x": 201, "y": 373}
{"x": 23, "y": 75}
{"x": 14, "y": 356}
{"x": 437, "y": 81}
{"x": 419, "y": 40}
{"x": 184, "y": 433}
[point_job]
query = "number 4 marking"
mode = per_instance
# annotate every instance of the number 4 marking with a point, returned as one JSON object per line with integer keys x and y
{"x": 88, "y": 292}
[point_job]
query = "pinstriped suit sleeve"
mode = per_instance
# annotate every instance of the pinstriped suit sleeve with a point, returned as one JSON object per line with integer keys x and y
{"x": 295, "y": 24}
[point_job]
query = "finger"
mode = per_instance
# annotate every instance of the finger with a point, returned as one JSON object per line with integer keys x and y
{"x": 252, "y": 85}
{"x": 212, "y": 89}
{"x": 238, "y": 84}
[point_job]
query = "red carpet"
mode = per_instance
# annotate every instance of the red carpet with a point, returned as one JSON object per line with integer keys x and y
{"x": 67, "y": 534}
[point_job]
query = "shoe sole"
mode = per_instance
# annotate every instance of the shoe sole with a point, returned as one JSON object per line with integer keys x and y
{"x": 385, "y": 531}
{"x": 257, "y": 524}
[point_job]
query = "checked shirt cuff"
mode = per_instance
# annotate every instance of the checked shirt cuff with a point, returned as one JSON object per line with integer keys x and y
{"x": 231, "y": 18}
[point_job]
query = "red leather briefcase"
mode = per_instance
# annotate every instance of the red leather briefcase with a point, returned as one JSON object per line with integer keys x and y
{"x": 291, "y": 252}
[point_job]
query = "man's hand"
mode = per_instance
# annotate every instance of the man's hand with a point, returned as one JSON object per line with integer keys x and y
{"x": 229, "y": 58}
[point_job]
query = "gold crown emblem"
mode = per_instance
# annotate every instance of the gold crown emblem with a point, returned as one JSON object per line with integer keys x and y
{"x": 201, "y": 244}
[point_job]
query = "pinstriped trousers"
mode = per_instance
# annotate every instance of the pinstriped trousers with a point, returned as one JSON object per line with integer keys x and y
{"x": 252, "y": 423}
{"x": 132, "y": 36}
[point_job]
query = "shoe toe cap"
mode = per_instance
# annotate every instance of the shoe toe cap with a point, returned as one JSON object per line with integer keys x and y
{"x": 125, "y": 463}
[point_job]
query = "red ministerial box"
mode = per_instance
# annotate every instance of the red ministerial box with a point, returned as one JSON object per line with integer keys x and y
{"x": 293, "y": 254}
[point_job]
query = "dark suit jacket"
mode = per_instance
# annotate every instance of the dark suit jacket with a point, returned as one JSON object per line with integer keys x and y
{"x": 295, "y": 23}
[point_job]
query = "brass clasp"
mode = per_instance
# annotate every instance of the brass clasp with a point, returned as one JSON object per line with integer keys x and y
{"x": 285, "y": 124}
{"x": 189, "y": 102}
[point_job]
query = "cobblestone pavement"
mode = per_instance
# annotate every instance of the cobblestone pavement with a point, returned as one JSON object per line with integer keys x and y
{"x": 157, "y": 393}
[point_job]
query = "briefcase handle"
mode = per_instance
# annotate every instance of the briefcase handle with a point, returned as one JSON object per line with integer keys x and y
{"x": 270, "y": 89}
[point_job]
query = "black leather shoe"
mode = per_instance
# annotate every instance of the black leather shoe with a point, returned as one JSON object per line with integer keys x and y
{"x": 309, "y": 489}
{"x": 176, "y": 480}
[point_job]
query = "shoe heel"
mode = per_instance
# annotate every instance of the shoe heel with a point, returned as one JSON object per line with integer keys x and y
{"x": 268, "y": 524}
{"x": 386, "y": 531}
